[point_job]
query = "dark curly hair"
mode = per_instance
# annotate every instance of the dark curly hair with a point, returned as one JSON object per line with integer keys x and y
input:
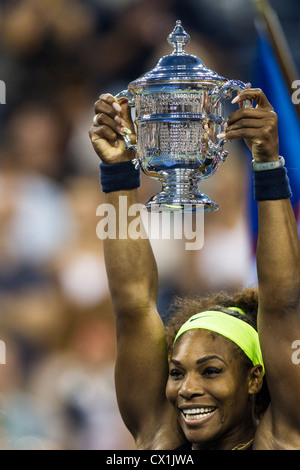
{"x": 182, "y": 308}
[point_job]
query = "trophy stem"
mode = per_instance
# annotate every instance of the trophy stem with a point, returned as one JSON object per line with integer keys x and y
{"x": 180, "y": 193}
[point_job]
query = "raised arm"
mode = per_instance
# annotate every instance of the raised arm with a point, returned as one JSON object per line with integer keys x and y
{"x": 141, "y": 366}
{"x": 278, "y": 267}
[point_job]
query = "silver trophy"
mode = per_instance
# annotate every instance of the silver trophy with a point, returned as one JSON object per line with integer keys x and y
{"x": 179, "y": 111}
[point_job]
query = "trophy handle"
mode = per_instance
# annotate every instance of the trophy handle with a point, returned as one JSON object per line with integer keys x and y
{"x": 131, "y": 103}
{"x": 220, "y": 92}
{"x": 126, "y": 94}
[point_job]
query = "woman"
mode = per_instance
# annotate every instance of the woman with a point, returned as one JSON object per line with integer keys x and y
{"x": 204, "y": 391}
{"x": 232, "y": 364}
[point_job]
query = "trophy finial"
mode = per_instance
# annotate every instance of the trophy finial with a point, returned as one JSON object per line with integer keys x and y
{"x": 178, "y": 39}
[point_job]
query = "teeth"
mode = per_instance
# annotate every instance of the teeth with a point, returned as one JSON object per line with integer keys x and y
{"x": 198, "y": 410}
{"x": 196, "y": 413}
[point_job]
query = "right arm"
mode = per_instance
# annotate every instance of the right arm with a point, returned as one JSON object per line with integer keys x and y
{"x": 142, "y": 364}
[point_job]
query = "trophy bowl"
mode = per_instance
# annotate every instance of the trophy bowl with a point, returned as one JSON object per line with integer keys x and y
{"x": 179, "y": 111}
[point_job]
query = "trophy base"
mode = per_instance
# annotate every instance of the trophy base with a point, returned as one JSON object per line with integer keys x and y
{"x": 163, "y": 203}
{"x": 180, "y": 193}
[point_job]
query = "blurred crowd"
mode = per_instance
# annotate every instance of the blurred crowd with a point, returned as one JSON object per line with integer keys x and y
{"x": 56, "y": 317}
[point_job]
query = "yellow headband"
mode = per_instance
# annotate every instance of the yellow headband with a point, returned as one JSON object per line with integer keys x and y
{"x": 238, "y": 331}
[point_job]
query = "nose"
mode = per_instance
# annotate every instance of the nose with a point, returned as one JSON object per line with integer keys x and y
{"x": 191, "y": 387}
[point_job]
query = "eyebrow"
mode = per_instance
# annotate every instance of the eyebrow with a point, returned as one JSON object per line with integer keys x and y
{"x": 201, "y": 360}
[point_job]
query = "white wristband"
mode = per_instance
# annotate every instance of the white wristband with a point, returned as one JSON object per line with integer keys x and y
{"x": 262, "y": 166}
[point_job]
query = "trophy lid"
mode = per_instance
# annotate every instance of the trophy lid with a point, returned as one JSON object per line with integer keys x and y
{"x": 178, "y": 66}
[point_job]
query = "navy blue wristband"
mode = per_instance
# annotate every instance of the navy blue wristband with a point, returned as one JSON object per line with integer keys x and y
{"x": 270, "y": 185}
{"x": 118, "y": 176}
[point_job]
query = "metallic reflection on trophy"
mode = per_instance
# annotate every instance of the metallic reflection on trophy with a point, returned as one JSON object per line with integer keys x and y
{"x": 179, "y": 108}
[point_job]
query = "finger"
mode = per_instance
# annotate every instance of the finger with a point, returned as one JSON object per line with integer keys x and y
{"x": 107, "y": 97}
{"x": 105, "y": 132}
{"x": 126, "y": 115}
{"x": 255, "y": 94}
{"x": 251, "y": 113}
{"x": 241, "y": 133}
{"x": 110, "y": 109}
{"x": 112, "y": 100}
{"x": 104, "y": 119}
{"x": 119, "y": 110}
{"x": 264, "y": 132}
{"x": 249, "y": 123}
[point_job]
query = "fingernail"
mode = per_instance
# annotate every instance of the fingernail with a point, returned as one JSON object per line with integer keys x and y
{"x": 225, "y": 126}
{"x": 118, "y": 119}
{"x": 235, "y": 100}
{"x": 116, "y": 144}
{"x": 222, "y": 135}
{"x": 117, "y": 106}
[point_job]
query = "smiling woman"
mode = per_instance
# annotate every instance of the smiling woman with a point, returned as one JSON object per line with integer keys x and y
{"x": 247, "y": 351}
{"x": 212, "y": 385}
{"x": 208, "y": 388}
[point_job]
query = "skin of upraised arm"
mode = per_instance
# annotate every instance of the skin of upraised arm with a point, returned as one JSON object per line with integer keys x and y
{"x": 141, "y": 367}
{"x": 278, "y": 268}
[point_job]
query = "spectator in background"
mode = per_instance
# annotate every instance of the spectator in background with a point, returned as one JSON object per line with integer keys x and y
{"x": 37, "y": 219}
{"x": 79, "y": 266}
{"x": 75, "y": 386}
